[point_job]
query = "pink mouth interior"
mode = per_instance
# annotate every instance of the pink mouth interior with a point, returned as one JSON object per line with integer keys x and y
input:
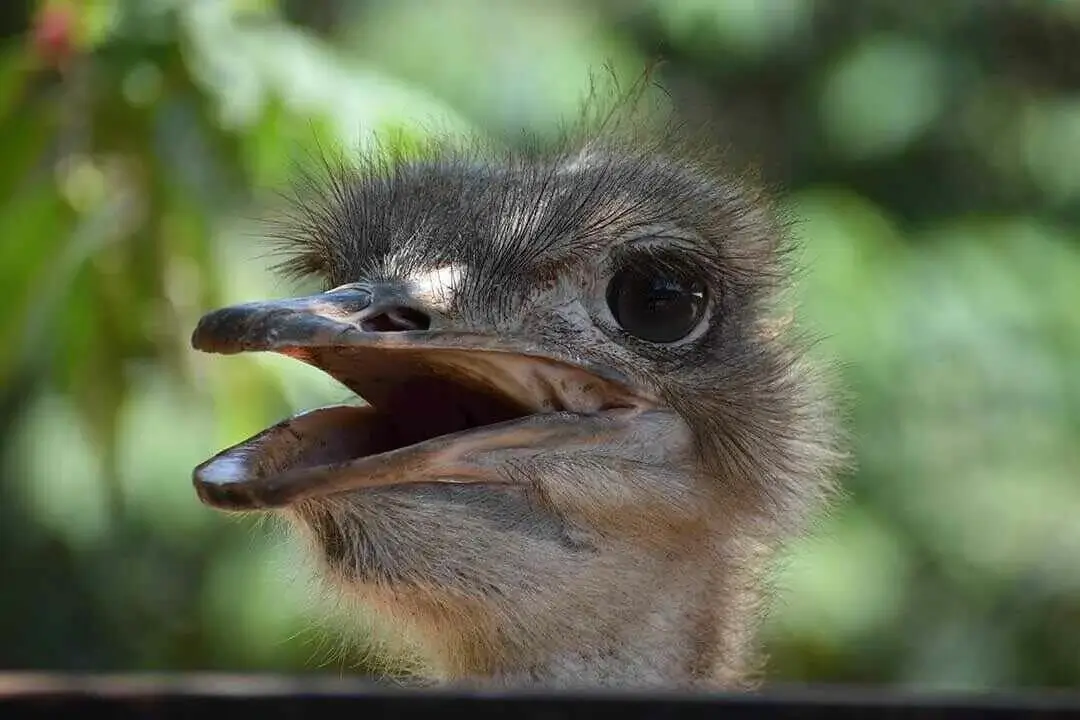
{"x": 415, "y": 410}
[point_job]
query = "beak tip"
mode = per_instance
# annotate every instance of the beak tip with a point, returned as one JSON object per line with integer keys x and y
{"x": 198, "y": 339}
{"x": 224, "y": 495}
{"x": 208, "y": 335}
{"x": 229, "y": 481}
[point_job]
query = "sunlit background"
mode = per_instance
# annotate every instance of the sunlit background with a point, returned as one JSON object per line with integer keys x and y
{"x": 931, "y": 150}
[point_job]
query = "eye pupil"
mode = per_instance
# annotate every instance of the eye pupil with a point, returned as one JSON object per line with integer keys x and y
{"x": 656, "y": 305}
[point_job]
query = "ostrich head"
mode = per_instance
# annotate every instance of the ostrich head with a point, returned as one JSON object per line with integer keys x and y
{"x": 584, "y": 432}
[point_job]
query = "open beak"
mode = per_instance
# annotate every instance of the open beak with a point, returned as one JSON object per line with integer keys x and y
{"x": 444, "y": 405}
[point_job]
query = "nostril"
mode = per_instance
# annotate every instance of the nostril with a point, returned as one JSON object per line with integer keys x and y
{"x": 396, "y": 319}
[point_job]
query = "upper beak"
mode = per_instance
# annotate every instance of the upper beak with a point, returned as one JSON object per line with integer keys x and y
{"x": 330, "y": 318}
{"x": 354, "y": 319}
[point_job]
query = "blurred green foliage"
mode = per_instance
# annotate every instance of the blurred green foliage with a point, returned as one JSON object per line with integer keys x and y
{"x": 930, "y": 151}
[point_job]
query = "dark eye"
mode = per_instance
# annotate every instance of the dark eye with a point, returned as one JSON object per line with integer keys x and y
{"x": 657, "y": 305}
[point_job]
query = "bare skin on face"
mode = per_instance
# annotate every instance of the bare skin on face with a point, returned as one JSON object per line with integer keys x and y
{"x": 584, "y": 434}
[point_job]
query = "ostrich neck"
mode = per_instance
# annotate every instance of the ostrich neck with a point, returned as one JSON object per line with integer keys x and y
{"x": 653, "y": 653}
{"x": 698, "y": 635}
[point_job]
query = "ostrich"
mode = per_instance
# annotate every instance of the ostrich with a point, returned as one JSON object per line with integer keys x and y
{"x": 585, "y": 434}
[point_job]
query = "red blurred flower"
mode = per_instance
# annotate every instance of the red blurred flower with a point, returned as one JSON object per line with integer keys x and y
{"x": 53, "y": 36}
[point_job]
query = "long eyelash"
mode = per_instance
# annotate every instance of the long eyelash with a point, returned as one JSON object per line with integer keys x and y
{"x": 686, "y": 262}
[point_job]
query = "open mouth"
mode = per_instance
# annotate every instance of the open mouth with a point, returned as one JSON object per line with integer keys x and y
{"x": 442, "y": 407}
